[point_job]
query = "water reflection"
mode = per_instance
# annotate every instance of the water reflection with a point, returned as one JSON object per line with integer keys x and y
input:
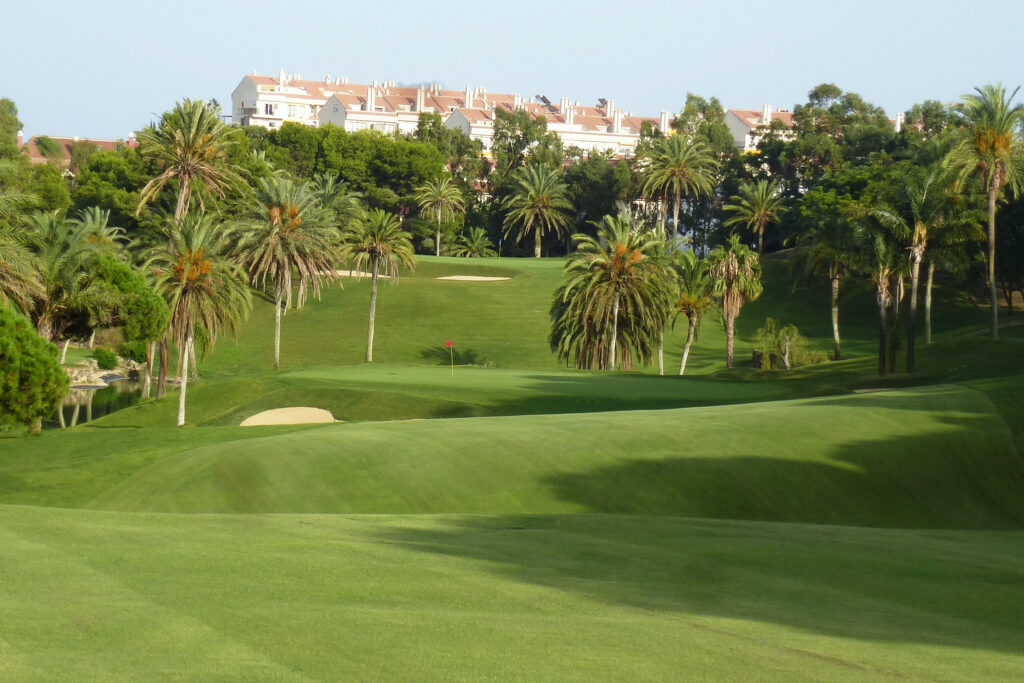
{"x": 84, "y": 405}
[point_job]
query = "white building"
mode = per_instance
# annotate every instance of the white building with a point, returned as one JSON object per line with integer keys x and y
{"x": 748, "y": 126}
{"x": 270, "y": 102}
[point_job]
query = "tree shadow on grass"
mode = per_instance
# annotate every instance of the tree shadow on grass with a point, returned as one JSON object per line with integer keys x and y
{"x": 441, "y": 355}
{"x": 912, "y": 584}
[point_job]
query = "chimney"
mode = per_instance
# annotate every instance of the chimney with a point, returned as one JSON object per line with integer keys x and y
{"x": 563, "y": 105}
{"x": 421, "y": 95}
{"x": 570, "y": 115}
{"x": 663, "y": 124}
{"x": 469, "y": 97}
{"x": 766, "y": 115}
{"x": 900, "y": 121}
{"x": 281, "y": 79}
{"x": 517, "y": 102}
{"x": 327, "y": 79}
{"x": 609, "y": 109}
{"x": 131, "y": 138}
{"x": 617, "y": 122}
{"x": 371, "y": 96}
{"x": 21, "y": 139}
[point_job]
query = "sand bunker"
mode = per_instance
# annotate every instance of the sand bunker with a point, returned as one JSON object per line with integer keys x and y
{"x": 473, "y": 278}
{"x": 352, "y": 273}
{"x": 289, "y": 416}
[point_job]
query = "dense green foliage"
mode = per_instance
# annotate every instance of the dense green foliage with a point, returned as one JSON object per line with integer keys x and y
{"x": 32, "y": 381}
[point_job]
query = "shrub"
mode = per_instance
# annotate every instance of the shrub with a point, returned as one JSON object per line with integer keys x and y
{"x": 134, "y": 350}
{"x": 32, "y": 381}
{"x": 782, "y": 346}
{"x": 106, "y": 360}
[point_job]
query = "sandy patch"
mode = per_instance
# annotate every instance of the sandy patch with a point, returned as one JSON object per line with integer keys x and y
{"x": 289, "y": 416}
{"x": 473, "y": 278}
{"x": 352, "y": 273}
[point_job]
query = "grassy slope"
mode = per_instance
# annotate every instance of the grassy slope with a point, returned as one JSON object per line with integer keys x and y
{"x": 98, "y": 594}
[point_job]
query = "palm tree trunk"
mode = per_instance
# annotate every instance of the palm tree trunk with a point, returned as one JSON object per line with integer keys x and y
{"x": 92, "y": 337}
{"x": 992, "y": 259}
{"x": 373, "y": 310}
{"x": 675, "y": 215}
{"x": 437, "y": 236}
{"x": 730, "y": 336}
{"x": 74, "y": 415}
{"x": 60, "y": 416}
{"x": 64, "y": 350}
{"x": 536, "y": 247}
{"x": 147, "y": 378}
{"x": 182, "y": 205}
{"x": 88, "y": 406}
{"x": 277, "y": 328}
{"x": 184, "y": 378}
{"x": 663, "y": 215}
{"x": 915, "y": 278}
{"x": 928, "y": 303}
{"x": 690, "y": 334}
{"x": 165, "y": 359}
{"x": 835, "y": 316}
{"x": 661, "y": 351}
{"x": 615, "y": 331}
{"x": 883, "y": 334}
{"x": 45, "y": 327}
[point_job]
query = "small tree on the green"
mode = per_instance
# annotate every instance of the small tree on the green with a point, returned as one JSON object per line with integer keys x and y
{"x": 32, "y": 381}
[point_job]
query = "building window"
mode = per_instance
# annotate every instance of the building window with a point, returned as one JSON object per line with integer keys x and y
{"x": 268, "y": 109}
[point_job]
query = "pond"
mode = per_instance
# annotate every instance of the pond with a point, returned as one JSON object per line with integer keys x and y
{"x": 86, "y": 404}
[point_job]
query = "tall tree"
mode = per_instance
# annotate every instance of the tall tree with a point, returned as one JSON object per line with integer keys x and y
{"x": 694, "y": 296}
{"x": 681, "y": 164}
{"x": 442, "y": 198}
{"x": 756, "y": 206}
{"x": 190, "y": 145}
{"x": 204, "y": 287}
{"x": 880, "y": 259}
{"x": 736, "y": 272}
{"x": 612, "y": 302}
{"x": 379, "y": 242}
{"x": 923, "y": 205}
{"x": 539, "y": 204}
{"x": 992, "y": 151}
{"x": 286, "y": 234}
{"x": 64, "y": 256}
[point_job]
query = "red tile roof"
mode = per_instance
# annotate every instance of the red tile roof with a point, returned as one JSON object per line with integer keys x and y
{"x": 36, "y": 157}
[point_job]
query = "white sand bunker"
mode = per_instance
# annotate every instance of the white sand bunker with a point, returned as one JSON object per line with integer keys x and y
{"x": 473, "y": 278}
{"x": 289, "y": 416}
{"x": 352, "y": 273}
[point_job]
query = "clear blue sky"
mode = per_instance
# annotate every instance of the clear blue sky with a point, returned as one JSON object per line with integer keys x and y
{"x": 104, "y": 68}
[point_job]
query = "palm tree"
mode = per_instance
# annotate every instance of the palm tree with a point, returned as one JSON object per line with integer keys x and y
{"x": 63, "y": 255}
{"x": 925, "y": 204}
{"x": 695, "y": 288}
{"x": 205, "y": 289}
{"x": 994, "y": 152}
{"x": 190, "y": 145}
{"x": 681, "y": 164}
{"x": 286, "y": 233}
{"x": 95, "y": 225}
{"x": 880, "y": 258}
{"x": 474, "y": 243}
{"x": 539, "y": 204}
{"x": 377, "y": 240}
{"x": 736, "y": 272}
{"x": 440, "y": 196}
{"x": 612, "y": 301}
{"x": 345, "y": 204}
{"x": 19, "y": 281}
{"x": 833, "y": 252}
{"x": 756, "y": 206}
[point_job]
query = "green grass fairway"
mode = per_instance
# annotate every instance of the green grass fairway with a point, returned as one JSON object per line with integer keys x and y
{"x": 104, "y": 596}
{"x": 519, "y": 520}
